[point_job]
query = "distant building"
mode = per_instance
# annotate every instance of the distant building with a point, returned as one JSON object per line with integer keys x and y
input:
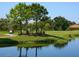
{"x": 74, "y": 27}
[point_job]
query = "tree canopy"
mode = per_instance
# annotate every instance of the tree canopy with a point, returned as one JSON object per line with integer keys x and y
{"x": 19, "y": 16}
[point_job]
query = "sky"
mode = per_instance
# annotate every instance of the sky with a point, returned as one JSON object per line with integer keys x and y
{"x": 69, "y": 10}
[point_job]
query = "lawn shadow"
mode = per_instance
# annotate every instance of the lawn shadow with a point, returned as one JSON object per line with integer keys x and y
{"x": 47, "y": 35}
{"x": 43, "y": 35}
{"x": 5, "y": 42}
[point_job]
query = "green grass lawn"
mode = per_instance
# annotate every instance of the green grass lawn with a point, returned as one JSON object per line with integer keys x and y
{"x": 57, "y": 38}
{"x": 3, "y": 32}
{"x": 60, "y": 35}
{"x": 63, "y": 34}
{"x": 55, "y": 35}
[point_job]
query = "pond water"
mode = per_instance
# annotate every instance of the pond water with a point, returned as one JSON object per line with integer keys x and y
{"x": 69, "y": 50}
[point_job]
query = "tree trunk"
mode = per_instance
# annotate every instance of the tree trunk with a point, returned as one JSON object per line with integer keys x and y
{"x": 27, "y": 28}
{"x": 36, "y": 27}
{"x": 41, "y": 31}
{"x": 10, "y": 28}
{"x": 20, "y": 28}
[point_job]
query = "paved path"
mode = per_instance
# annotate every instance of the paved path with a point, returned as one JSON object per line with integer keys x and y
{"x": 7, "y": 35}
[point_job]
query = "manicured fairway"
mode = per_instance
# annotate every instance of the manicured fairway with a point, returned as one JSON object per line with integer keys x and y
{"x": 55, "y": 35}
{"x": 64, "y": 35}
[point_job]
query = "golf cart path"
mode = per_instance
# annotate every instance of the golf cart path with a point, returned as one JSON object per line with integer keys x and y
{"x": 7, "y": 35}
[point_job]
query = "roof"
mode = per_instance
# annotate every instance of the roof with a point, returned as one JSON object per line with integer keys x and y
{"x": 75, "y": 26}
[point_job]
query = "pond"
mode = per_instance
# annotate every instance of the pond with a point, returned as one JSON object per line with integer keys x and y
{"x": 71, "y": 49}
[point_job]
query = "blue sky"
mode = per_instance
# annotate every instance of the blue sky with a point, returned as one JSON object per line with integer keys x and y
{"x": 69, "y": 10}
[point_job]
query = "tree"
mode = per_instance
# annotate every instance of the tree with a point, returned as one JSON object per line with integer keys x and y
{"x": 42, "y": 23}
{"x": 20, "y": 10}
{"x": 19, "y": 14}
{"x": 61, "y": 23}
{"x": 47, "y": 26}
{"x": 3, "y": 24}
{"x": 38, "y": 11}
{"x": 30, "y": 27}
{"x": 11, "y": 17}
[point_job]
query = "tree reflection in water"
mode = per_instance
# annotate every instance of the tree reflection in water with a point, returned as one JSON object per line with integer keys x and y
{"x": 60, "y": 45}
{"x": 57, "y": 45}
{"x": 36, "y": 52}
{"x": 26, "y": 50}
{"x": 20, "y": 52}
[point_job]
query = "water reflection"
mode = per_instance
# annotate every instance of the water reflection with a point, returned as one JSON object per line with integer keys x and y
{"x": 24, "y": 48}
{"x": 36, "y": 52}
{"x": 61, "y": 45}
{"x": 26, "y": 51}
{"x": 20, "y": 52}
{"x": 36, "y": 49}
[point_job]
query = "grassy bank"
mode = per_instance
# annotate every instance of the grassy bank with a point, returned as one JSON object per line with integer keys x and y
{"x": 54, "y": 35}
{"x": 64, "y": 34}
{"x": 59, "y": 36}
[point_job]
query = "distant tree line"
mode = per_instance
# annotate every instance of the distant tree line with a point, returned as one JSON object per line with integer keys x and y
{"x": 18, "y": 20}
